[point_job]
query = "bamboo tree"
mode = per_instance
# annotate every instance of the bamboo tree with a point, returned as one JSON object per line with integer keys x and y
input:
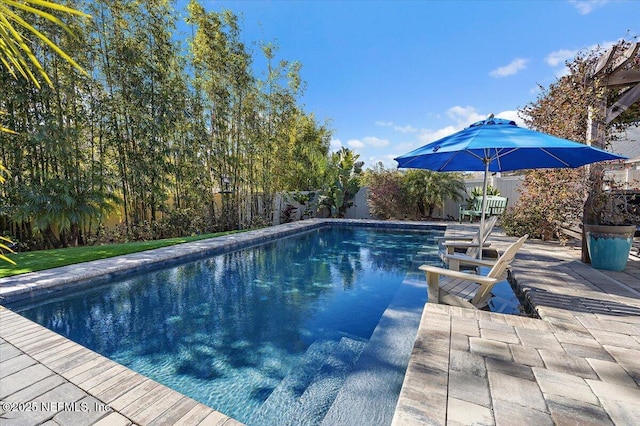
{"x": 223, "y": 78}
{"x": 149, "y": 131}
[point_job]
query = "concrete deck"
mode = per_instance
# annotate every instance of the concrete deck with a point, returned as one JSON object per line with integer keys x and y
{"x": 579, "y": 364}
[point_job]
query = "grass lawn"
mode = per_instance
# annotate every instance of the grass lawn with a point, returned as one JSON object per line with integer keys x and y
{"x": 32, "y": 261}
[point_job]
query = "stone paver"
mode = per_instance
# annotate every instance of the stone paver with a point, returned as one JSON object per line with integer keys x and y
{"x": 578, "y": 364}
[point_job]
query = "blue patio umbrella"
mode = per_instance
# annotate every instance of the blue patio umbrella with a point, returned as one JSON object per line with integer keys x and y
{"x": 499, "y": 145}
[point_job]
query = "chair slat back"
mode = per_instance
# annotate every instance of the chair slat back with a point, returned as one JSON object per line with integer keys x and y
{"x": 489, "y": 223}
{"x": 506, "y": 258}
{"x": 484, "y": 291}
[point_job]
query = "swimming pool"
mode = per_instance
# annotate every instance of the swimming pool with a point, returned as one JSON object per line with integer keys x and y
{"x": 267, "y": 334}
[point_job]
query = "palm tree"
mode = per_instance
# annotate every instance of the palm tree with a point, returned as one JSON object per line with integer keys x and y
{"x": 428, "y": 189}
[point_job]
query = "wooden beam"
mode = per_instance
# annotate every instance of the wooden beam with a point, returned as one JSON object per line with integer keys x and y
{"x": 607, "y": 65}
{"x": 622, "y": 78}
{"x": 624, "y": 58}
{"x": 603, "y": 62}
{"x": 629, "y": 97}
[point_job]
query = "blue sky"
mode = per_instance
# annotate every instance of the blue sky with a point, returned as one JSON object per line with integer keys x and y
{"x": 392, "y": 76}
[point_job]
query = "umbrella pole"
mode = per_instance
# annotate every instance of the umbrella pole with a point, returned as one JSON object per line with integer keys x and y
{"x": 484, "y": 206}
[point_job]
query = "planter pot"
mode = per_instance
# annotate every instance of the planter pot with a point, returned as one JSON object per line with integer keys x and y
{"x": 609, "y": 246}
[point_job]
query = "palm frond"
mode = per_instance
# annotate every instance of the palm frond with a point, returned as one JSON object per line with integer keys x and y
{"x": 13, "y": 46}
{"x": 15, "y": 54}
{"x": 4, "y": 247}
{"x": 42, "y": 37}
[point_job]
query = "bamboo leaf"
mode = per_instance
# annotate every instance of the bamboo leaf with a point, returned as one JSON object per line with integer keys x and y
{"x": 6, "y": 259}
{"x": 5, "y": 130}
{"x": 48, "y": 5}
{"x": 17, "y": 47}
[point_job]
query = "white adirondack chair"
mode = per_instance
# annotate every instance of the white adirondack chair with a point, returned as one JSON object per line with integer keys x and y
{"x": 466, "y": 289}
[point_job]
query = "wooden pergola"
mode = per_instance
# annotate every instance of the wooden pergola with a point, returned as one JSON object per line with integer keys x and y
{"x": 614, "y": 70}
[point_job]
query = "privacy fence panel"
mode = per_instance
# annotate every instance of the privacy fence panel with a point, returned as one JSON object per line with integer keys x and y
{"x": 507, "y": 185}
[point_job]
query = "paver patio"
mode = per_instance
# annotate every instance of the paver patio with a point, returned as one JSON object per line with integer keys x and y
{"x": 578, "y": 364}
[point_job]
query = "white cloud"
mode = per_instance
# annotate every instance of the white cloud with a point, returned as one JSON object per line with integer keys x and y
{"x": 405, "y": 129}
{"x": 514, "y": 67}
{"x": 511, "y": 115}
{"x": 559, "y": 57}
{"x": 355, "y": 143}
{"x": 389, "y": 159}
{"x": 464, "y": 115}
{"x": 427, "y": 135}
{"x": 402, "y": 129}
{"x": 373, "y": 141}
{"x": 335, "y": 145}
{"x": 587, "y": 6}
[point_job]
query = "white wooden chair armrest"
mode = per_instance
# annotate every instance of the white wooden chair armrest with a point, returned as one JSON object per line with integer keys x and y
{"x": 455, "y": 279}
{"x": 456, "y": 260}
{"x": 451, "y": 246}
{"x": 455, "y": 238}
{"x": 463, "y": 244}
{"x": 436, "y": 271}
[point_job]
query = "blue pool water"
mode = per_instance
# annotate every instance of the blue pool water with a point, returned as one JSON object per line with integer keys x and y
{"x": 267, "y": 334}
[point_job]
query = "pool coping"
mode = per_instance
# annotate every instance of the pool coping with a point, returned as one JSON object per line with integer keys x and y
{"x": 125, "y": 396}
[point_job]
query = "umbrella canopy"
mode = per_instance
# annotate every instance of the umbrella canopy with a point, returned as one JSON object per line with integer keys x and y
{"x": 499, "y": 145}
{"x": 502, "y": 146}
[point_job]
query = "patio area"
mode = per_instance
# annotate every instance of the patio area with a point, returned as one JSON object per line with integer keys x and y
{"x": 579, "y": 363}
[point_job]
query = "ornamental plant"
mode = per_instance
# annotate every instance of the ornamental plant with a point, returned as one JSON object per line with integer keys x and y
{"x": 386, "y": 197}
{"x": 343, "y": 182}
{"x": 410, "y": 194}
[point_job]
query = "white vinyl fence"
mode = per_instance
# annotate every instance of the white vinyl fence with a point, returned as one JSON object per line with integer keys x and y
{"x": 507, "y": 185}
{"x": 359, "y": 210}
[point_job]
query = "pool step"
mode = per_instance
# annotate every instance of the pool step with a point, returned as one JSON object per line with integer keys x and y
{"x": 319, "y": 396}
{"x": 304, "y": 396}
{"x": 275, "y": 409}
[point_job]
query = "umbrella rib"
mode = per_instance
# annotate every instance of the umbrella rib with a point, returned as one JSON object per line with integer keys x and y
{"x": 498, "y": 157}
{"x": 473, "y": 154}
{"x": 450, "y": 159}
{"x": 489, "y": 158}
{"x": 501, "y": 152}
{"x": 556, "y": 157}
